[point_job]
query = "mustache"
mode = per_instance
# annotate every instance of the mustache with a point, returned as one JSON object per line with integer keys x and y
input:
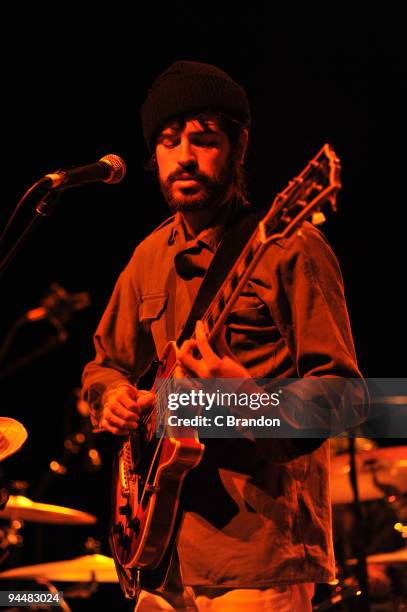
{"x": 197, "y": 176}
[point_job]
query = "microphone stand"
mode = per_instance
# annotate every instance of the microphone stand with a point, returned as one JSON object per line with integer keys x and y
{"x": 78, "y": 442}
{"x": 43, "y": 209}
{"x": 49, "y": 345}
{"x": 360, "y": 541}
{"x": 57, "y": 313}
{"x": 109, "y": 169}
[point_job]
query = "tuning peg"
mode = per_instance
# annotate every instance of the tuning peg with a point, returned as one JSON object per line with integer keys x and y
{"x": 332, "y": 201}
{"x": 318, "y": 218}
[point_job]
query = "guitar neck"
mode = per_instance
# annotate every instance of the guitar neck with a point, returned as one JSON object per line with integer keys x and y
{"x": 218, "y": 311}
{"x": 302, "y": 198}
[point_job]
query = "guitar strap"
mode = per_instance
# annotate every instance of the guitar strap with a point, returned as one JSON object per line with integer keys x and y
{"x": 231, "y": 245}
{"x": 171, "y": 286}
{"x": 233, "y": 242}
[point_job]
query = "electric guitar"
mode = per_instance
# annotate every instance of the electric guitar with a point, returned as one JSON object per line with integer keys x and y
{"x": 149, "y": 468}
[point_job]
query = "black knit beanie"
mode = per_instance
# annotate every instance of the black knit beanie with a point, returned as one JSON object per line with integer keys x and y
{"x": 188, "y": 87}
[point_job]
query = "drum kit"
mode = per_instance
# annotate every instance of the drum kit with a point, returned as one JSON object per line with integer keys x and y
{"x": 381, "y": 472}
{"x": 88, "y": 570}
{"x": 381, "y": 475}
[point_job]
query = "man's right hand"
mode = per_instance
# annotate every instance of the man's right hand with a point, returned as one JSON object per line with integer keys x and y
{"x": 123, "y": 407}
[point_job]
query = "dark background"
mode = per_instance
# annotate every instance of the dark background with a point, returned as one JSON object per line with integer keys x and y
{"x": 75, "y": 90}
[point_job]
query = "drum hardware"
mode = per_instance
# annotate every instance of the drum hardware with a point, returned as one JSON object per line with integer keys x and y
{"x": 22, "y": 508}
{"x": 87, "y": 568}
{"x": 380, "y": 472}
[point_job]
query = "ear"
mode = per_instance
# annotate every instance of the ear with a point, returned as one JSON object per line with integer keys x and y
{"x": 242, "y": 146}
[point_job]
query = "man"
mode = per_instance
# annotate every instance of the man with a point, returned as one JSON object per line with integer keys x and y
{"x": 256, "y": 532}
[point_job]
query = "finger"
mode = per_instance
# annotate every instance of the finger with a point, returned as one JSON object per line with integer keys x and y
{"x": 131, "y": 391}
{"x": 222, "y": 347}
{"x": 145, "y": 401}
{"x": 192, "y": 367}
{"x": 126, "y": 402}
{"x": 204, "y": 347}
{"x": 129, "y": 416}
{"x": 143, "y": 392}
{"x": 179, "y": 371}
{"x": 123, "y": 389}
{"x": 187, "y": 361}
{"x": 116, "y": 421}
{"x": 188, "y": 347}
{"x": 104, "y": 424}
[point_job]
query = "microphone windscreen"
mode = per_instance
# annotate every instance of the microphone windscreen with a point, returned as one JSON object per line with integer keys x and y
{"x": 118, "y": 168}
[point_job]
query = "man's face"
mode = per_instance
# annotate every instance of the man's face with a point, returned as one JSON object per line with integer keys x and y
{"x": 194, "y": 164}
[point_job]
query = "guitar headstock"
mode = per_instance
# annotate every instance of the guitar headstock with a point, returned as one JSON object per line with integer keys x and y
{"x": 304, "y": 196}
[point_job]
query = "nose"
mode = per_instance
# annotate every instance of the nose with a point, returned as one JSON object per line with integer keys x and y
{"x": 186, "y": 154}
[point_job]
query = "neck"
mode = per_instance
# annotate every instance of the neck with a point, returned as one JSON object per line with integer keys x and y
{"x": 197, "y": 220}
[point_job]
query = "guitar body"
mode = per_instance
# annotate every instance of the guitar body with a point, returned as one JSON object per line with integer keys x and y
{"x": 148, "y": 476}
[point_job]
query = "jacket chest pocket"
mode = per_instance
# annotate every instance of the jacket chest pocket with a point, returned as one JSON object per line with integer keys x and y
{"x": 249, "y": 313}
{"x": 152, "y": 317}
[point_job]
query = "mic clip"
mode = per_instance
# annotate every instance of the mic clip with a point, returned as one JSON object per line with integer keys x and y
{"x": 47, "y": 203}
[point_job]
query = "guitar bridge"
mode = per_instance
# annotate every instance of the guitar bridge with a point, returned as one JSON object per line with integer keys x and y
{"x": 124, "y": 482}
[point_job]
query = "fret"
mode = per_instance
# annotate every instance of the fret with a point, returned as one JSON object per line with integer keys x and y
{"x": 249, "y": 257}
{"x": 240, "y": 269}
{"x": 209, "y": 321}
{"x": 215, "y": 311}
{"x": 227, "y": 291}
{"x": 234, "y": 281}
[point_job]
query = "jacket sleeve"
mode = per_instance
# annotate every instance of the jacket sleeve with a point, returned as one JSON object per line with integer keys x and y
{"x": 124, "y": 349}
{"x": 308, "y": 304}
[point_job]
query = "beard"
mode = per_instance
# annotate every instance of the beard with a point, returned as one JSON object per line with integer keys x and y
{"x": 208, "y": 193}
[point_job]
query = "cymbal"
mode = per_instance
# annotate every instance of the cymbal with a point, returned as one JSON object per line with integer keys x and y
{"x": 340, "y": 444}
{"x": 20, "y": 507}
{"x": 391, "y": 400}
{"x": 13, "y": 434}
{"x": 389, "y": 558}
{"x": 388, "y": 464}
{"x": 80, "y": 569}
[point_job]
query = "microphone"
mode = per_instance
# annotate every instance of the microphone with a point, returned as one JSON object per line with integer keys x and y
{"x": 109, "y": 169}
{"x": 58, "y": 305}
